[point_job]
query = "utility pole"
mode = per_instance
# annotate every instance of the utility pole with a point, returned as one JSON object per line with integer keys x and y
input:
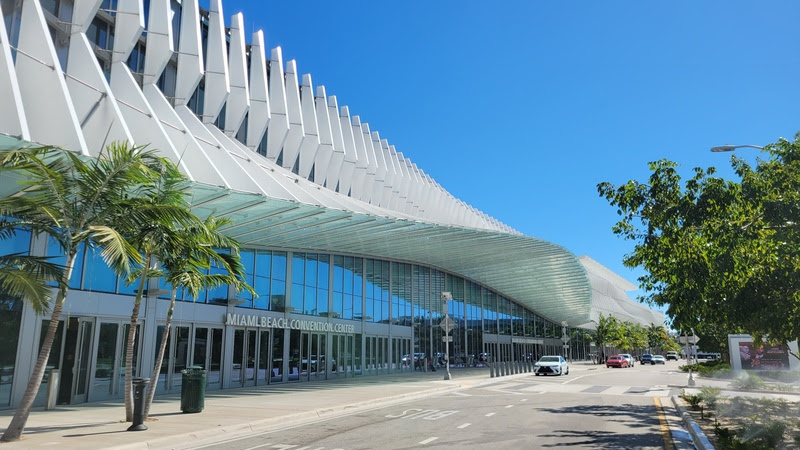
{"x": 446, "y": 324}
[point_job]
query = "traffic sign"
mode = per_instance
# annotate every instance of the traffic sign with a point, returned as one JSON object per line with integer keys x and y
{"x": 447, "y": 338}
{"x": 690, "y": 339}
{"x": 447, "y": 324}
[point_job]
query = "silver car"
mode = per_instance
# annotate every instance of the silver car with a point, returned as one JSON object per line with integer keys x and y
{"x": 555, "y": 365}
{"x": 628, "y": 357}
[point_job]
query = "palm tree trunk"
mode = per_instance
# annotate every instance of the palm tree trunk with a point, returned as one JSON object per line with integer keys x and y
{"x": 17, "y": 425}
{"x": 132, "y": 341}
{"x": 160, "y": 358}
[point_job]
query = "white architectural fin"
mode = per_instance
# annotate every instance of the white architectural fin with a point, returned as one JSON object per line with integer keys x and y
{"x": 159, "y": 40}
{"x": 362, "y": 162}
{"x": 335, "y": 168}
{"x": 258, "y": 119}
{"x": 95, "y": 105}
{"x": 142, "y": 121}
{"x": 42, "y": 85}
{"x": 325, "y": 152}
{"x": 350, "y": 158}
{"x": 239, "y": 100}
{"x": 291, "y": 146}
{"x": 127, "y": 29}
{"x": 279, "y": 123}
{"x": 218, "y": 83}
{"x": 83, "y": 12}
{"x": 191, "y": 154}
{"x": 190, "y": 53}
{"x": 308, "y": 151}
{"x": 12, "y": 114}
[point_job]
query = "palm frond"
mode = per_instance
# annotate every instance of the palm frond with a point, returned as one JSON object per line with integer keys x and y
{"x": 27, "y": 277}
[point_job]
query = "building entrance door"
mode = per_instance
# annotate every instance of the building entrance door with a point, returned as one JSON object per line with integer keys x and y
{"x": 207, "y": 353}
{"x": 251, "y": 357}
{"x": 83, "y": 359}
{"x": 313, "y": 358}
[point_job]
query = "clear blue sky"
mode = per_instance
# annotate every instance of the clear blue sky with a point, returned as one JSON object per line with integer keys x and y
{"x": 520, "y": 108}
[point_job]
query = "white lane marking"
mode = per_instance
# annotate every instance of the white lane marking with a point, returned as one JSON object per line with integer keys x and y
{"x": 573, "y": 379}
{"x": 464, "y": 425}
{"x": 490, "y": 414}
{"x": 524, "y": 399}
{"x": 259, "y": 446}
{"x": 509, "y": 406}
{"x": 429, "y": 440}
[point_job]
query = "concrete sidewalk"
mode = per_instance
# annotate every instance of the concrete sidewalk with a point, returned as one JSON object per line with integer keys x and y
{"x": 102, "y": 424}
{"x": 234, "y": 411}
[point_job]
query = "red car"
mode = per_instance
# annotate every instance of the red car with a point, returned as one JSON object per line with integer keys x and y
{"x": 617, "y": 361}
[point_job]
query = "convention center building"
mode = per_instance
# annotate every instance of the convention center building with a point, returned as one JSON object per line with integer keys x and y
{"x": 350, "y": 246}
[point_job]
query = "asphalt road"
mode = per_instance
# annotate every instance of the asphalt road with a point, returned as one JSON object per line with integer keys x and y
{"x": 592, "y": 407}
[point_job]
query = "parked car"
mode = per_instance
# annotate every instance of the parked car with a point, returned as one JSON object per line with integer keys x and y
{"x": 629, "y": 358}
{"x": 556, "y": 365}
{"x": 617, "y": 361}
{"x": 658, "y": 359}
{"x": 646, "y": 359}
{"x": 672, "y": 356}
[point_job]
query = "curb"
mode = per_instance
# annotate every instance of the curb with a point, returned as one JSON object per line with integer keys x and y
{"x": 698, "y": 437}
{"x": 282, "y": 421}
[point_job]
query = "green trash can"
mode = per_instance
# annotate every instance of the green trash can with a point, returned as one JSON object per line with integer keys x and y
{"x": 193, "y": 389}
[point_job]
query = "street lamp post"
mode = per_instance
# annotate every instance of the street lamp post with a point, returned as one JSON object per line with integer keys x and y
{"x": 689, "y": 360}
{"x": 447, "y": 325}
{"x": 730, "y": 148}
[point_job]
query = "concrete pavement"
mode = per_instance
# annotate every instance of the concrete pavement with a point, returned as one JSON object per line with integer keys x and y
{"x": 233, "y": 411}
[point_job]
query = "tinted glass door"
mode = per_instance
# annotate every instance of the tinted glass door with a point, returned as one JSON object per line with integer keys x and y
{"x": 83, "y": 358}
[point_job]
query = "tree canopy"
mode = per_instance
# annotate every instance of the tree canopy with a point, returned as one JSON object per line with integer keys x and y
{"x": 721, "y": 255}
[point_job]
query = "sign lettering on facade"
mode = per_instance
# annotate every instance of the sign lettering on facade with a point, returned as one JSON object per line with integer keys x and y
{"x": 253, "y": 321}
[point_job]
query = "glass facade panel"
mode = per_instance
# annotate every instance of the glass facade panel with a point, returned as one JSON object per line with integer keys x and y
{"x": 10, "y": 319}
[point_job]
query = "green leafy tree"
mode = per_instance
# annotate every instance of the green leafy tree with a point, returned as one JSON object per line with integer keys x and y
{"x": 184, "y": 265}
{"x": 723, "y": 256}
{"x": 74, "y": 202}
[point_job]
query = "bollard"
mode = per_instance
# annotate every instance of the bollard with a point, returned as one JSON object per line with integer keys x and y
{"x": 491, "y": 369}
{"x": 139, "y": 390}
{"x": 53, "y": 381}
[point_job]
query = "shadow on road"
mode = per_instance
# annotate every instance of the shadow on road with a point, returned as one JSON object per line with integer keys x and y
{"x": 626, "y": 415}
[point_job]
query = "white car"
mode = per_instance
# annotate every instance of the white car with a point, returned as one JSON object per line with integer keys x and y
{"x": 628, "y": 357}
{"x": 547, "y": 365}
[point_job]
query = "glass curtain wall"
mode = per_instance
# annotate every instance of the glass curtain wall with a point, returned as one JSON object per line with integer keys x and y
{"x": 348, "y": 281}
{"x": 473, "y": 328}
{"x": 10, "y": 319}
{"x": 401, "y": 294}
{"x": 310, "y": 284}
{"x": 422, "y": 315}
{"x": 377, "y": 291}
{"x": 266, "y": 273}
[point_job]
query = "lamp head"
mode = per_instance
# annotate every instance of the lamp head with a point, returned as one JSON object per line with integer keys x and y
{"x": 723, "y": 148}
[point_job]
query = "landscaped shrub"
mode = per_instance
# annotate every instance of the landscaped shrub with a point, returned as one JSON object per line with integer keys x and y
{"x": 693, "y": 400}
{"x": 765, "y": 435}
{"x": 748, "y": 382}
{"x": 710, "y": 395}
{"x": 712, "y": 368}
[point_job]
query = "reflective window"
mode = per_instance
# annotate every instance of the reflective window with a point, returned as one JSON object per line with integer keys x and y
{"x": 10, "y": 319}
{"x": 97, "y": 275}
{"x": 55, "y": 251}
{"x": 310, "y": 283}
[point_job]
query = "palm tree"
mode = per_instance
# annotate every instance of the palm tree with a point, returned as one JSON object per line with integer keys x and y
{"x": 184, "y": 268}
{"x": 608, "y": 332}
{"x": 75, "y": 202}
{"x": 153, "y": 229}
